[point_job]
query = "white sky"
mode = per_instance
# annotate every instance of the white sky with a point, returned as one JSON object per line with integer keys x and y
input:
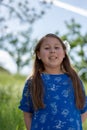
{"x": 63, "y": 10}
{"x": 53, "y": 20}
{"x": 69, "y": 7}
{"x": 7, "y": 61}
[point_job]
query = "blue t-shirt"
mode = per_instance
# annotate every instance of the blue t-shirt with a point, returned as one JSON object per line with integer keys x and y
{"x": 60, "y": 112}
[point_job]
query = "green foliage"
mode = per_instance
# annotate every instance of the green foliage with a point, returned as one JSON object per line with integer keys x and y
{"x": 78, "y": 43}
{"x": 10, "y": 93}
{"x": 10, "y": 116}
{"x": 85, "y": 125}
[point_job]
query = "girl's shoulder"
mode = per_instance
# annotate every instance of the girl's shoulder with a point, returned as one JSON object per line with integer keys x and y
{"x": 29, "y": 80}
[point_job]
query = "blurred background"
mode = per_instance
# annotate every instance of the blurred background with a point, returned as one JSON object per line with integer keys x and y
{"x": 22, "y": 24}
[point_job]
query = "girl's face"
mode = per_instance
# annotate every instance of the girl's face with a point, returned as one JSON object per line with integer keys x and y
{"x": 51, "y": 53}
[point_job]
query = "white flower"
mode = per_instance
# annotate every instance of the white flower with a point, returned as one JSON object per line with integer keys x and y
{"x": 66, "y": 43}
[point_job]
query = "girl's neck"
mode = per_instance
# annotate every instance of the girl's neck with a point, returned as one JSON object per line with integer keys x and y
{"x": 53, "y": 71}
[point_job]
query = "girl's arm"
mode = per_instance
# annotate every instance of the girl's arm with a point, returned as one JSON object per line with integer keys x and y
{"x": 27, "y": 119}
{"x": 84, "y": 116}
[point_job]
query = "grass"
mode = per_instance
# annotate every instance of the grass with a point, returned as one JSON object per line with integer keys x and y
{"x": 11, "y": 117}
{"x": 10, "y": 93}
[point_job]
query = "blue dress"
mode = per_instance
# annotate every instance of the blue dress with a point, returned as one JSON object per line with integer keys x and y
{"x": 60, "y": 112}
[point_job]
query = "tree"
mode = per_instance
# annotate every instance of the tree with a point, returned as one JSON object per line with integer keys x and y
{"x": 16, "y": 26}
{"x": 78, "y": 43}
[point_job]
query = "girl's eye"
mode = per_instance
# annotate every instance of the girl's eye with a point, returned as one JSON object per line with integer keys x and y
{"x": 56, "y": 47}
{"x": 46, "y": 48}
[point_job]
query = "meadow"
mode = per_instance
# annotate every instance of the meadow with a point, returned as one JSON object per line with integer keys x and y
{"x": 11, "y": 86}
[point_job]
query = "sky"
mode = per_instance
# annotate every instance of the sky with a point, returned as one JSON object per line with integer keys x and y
{"x": 52, "y": 21}
{"x": 54, "y": 18}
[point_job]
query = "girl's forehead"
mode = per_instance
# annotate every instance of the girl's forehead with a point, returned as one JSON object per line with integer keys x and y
{"x": 51, "y": 40}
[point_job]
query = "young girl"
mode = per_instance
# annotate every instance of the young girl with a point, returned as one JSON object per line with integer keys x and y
{"x": 53, "y": 97}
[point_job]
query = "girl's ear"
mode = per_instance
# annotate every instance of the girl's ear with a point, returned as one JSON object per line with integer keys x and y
{"x": 38, "y": 55}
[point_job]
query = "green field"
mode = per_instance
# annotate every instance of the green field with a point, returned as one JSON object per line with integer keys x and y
{"x": 11, "y": 118}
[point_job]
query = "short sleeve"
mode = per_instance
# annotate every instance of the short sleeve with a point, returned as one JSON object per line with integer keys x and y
{"x": 26, "y": 104}
{"x": 85, "y": 105}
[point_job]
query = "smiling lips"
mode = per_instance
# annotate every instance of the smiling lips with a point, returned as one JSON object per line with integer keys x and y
{"x": 52, "y": 57}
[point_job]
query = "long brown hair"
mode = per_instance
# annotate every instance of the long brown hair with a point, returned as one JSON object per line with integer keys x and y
{"x": 37, "y": 89}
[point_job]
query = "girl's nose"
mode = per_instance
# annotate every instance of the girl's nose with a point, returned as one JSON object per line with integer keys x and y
{"x": 52, "y": 50}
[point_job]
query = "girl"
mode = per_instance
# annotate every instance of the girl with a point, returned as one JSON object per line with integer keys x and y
{"x": 53, "y": 97}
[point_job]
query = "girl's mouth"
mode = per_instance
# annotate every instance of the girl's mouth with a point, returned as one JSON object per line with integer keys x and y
{"x": 52, "y": 58}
